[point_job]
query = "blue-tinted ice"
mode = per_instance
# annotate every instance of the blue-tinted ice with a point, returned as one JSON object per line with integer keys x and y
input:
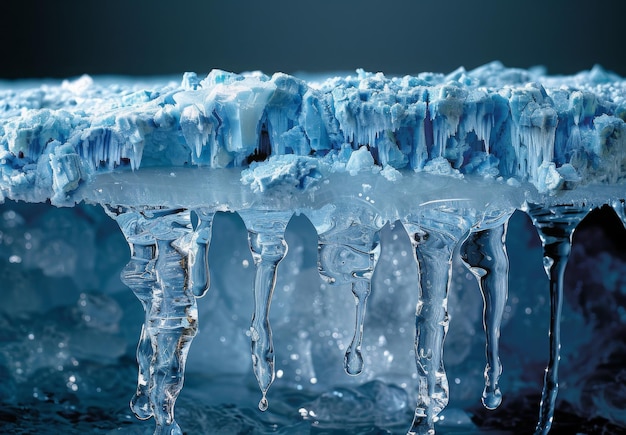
{"x": 449, "y": 157}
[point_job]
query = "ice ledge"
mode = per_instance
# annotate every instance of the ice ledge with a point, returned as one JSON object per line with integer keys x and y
{"x": 519, "y": 126}
{"x": 392, "y": 199}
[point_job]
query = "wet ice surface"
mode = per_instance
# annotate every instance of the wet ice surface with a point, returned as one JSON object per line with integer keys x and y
{"x": 68, "y": 341}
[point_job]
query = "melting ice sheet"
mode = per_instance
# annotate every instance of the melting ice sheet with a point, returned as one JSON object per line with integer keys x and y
{"x": 445, "y": 159}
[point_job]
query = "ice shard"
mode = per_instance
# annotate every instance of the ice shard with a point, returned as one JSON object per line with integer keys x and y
{"x": 449, "y": 156}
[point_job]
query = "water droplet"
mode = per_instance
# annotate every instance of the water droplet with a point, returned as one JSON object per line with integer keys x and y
{"x": 353, "y": 362}
{"x": 492, "y": 399}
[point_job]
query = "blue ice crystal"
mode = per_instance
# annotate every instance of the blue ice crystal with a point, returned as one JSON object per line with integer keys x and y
{"x": 451, "y": 157}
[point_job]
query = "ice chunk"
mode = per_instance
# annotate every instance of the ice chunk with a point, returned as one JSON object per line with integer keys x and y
{"x": 525, "y": 120}
{"x": 287, "y": 170}
{"x": 360, "y": 160}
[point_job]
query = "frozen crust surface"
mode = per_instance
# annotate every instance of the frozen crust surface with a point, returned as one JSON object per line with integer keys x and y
{"x": 519, "y": 128}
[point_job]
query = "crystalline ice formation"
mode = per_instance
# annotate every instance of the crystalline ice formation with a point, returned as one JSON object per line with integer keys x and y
{"x": 450, "y": 157}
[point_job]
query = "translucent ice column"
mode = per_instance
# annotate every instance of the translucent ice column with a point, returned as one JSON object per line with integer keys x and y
{"x": 348, "y": 250}
{"x": 435, "y": 233}
{"x": 266, "y": 237}
{"x": 167, "y": 270}
{"x": 484, "y": 253}
{"x": 555, "y": 225}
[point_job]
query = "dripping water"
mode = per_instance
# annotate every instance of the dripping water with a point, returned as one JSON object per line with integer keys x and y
{"x": 145, "y": 248}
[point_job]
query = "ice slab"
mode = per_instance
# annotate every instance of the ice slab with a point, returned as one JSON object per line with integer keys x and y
{"x": 449, "y": 156}
{"x": 522, "y": 126}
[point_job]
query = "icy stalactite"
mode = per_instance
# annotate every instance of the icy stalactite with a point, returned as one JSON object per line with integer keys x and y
{"x": 353, "y": 360}
{"x": 348, "y": 250}
{"x": 484, "y": 253}
{"x": 140, "y": 275}
{"x": 435, "y": 233}
{"x": 165, "y": 250}
{"x": 266, "y": 237}
{"x": 555, "y": 226}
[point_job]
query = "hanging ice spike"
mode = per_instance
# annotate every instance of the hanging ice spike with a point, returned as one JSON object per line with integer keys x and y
{"x": 266, "y": 237}
{"x": 348, "y": 250}
{"x": 167, "y": 269}
{"x": 484, "y": 253}
{"x": 555, "y": 226}
{"x": 435, "y": 233}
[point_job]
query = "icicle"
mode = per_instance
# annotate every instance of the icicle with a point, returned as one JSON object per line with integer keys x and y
{"x": 555, "y": 226}
{"x": 266, "y": 237}
{"x": 196, "y": 128}
{"x": 159, "y": 276}
{"x": 620, "y": 209}
{"x": 484, "y": 254}
{"x": 139, "y": 275}
{"x": 435, "y": 234}
{"x": 348, "y": 250}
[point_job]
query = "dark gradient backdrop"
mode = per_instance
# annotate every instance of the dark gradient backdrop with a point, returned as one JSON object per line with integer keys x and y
{"x": 142, "y": 37}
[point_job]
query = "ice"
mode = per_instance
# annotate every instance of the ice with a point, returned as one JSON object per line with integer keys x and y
{"x": 620, "y": 209}
{"x": 435, "y": 233}
{"x": 484, "y": 253}
{"x": 556, "y": 226}
{"x": 449, "y": 157}
{"x": 348, "y": 251}
{"x": 267, "y": 243}
{"x": 166, "y": 289}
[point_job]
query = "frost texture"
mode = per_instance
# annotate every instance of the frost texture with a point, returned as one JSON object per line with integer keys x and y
{"x": 449, "y": 157}
{"x": 492, "y": 121}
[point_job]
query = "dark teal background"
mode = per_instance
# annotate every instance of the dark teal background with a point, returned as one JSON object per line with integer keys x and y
{"x": 141, "y": 37}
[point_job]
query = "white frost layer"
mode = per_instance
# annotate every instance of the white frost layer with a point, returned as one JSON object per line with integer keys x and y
{"x": 499, "y": 123}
